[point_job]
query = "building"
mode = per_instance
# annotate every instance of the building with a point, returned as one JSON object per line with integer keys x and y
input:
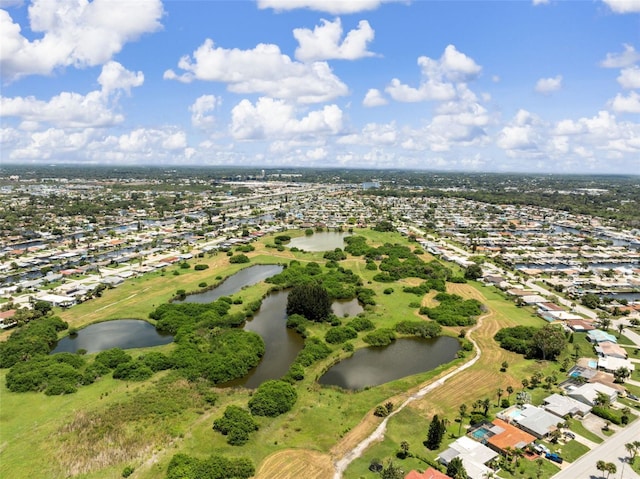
{"x": 563, "y": 406}
{"x": 531, "y": 419}
{"x": 599, "y": 336}
{"x": 474, "y": 455}
{"x": 587, "y": 393}
{"x": 505, "y": 436}
{"x": 430, "y": 473}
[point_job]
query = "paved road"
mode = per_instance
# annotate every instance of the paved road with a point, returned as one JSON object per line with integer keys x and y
{"x": 612, "y": 450}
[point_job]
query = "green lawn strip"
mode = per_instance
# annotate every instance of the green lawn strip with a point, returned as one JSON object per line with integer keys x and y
{"x": 529, "y": 469}
{"x": 576, "y": 426}
{"x": 633, "y": 389}
{"x": 570, "y": 451}
{"x": 622, "y": 339}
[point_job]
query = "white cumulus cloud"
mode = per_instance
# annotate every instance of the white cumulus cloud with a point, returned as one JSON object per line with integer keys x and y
{"x": 623, "y": 6}
{"x": 335, "y": 7}
{"x": 73, "y": 110}
{"x": 630, "y": 78}
{"x": 325, "y": 42}
{"x": 74, "y": 33}
{"x": 620, "y": 60}
{"x": 374, "y": 98}
{"x": 438, "y": 77}
{"x": 626, "y": 104}
{"x": 264, "y": 69}
{"x": 272, "y": 118}
{"x": 548, "y": 85}
{"x": 201, "y": 109}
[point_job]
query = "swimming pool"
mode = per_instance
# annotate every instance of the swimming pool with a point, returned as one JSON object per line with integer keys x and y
{"x": 480, "y": 433}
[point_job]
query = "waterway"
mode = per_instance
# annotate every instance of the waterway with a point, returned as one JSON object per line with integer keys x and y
{"x": 321, "y": 241}
{"x": 243, "y": 278}
{"x": 123, "y": 333}
{"x": 377, "y": 365}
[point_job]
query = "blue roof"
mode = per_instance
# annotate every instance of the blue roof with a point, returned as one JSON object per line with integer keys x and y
{"x": 600, "y": 336}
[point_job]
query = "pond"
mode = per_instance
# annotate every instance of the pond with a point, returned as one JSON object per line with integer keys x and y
{"x": 404, "y": 357}
{"x": 343, "y": 308}
{"x": 322, "y": 241}
{"x": 243, "y": 278}
{"x": 281, "y": 344}
{"x": 122, "y": 333}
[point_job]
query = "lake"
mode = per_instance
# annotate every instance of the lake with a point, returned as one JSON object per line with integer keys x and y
{"x": 121, "y": 333}
{"x": 404, "y": 357}
{"x": 243, "y": 278}
{"x": 322, "y": 241}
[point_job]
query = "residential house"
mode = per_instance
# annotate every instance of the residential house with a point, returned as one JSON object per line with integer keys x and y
{"x": 587, "y": 393}
{"x": 474, "y": 456}
{"x": 599, "y": 336}
{"x": 563, "y": 406}
{"x": 505, "y": 437}
{"x": 531, "y": 419}
{"x": 430, "y": 473}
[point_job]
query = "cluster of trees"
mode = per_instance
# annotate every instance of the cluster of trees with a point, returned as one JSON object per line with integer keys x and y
{"x": 273, "y": 398}
{"x": 453, "y": 310}
{"x": 236, "y": 423}
{"x": 542, "y": 343}
{"x": 313, "y": 350}
{"x": 310, "y": 300}
{"x": 422, "y": 329}
{"x": 183, "y": 466}
{"x": 35, "y": 338}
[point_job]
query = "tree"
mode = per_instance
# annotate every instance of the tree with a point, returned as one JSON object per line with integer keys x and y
{"x": 610, "y": 468}
{"x": 632, "y": 450}
{"x": 435, "y": 434}
{"x": 310, "y": 300}
{"x": 591, "y": 300}
{"x": 620, "y": 329}
{"x": 463, "y": 413}
{"x": 473, "y": 272}
{"x": 499, "y": 393}
{"x": 549, "y": 342}
{"x": 486, "y": 404}
{"x": 601, "y": 466}
{"x": 273, "y": 398}
{"x": 525, "y": 383}
{"x": 392, "y": 472}
{"x": 621, "y": 374}
{"x": 404, "y": 447}
{"x": 602, "y": 400}
{"x": 509, "y": 392}
{"x": 455, "y": 469}
{"x": 604, "y": 323}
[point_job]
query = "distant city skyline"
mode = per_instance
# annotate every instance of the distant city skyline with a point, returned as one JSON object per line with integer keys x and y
{"x": 536, "y": 86}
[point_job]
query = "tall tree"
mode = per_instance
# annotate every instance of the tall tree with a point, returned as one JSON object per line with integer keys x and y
{"x": 463, "y": 413}
{"x": 548, "y": 342}
{"x": 456, "y": 470}
{"x": 310, "y": 300}
{"x": 435, "y": 434}
{"x": 499, "y": 393}
{"x": 509, "y": 392}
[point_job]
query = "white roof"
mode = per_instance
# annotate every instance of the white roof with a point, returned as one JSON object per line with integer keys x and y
{"x": 563, "y": 405}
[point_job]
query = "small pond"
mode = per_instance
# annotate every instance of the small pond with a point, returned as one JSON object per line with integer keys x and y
{"x": 243, "y": 278}
{"x": 342, "y": 308}
{"x": 404, "y": 357}
{"x": 322, "y": 241}
{"x": 122, "y": 333}
{"x": 281, "y": 344}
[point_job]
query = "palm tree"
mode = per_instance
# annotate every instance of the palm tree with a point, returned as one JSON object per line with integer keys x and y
{"x": 611, "y": 468}
{"x": 463, "y": 413}
{"x": 486, "y": 404}
{"x": 499, "y": 393}
{"x": 404, "y": 445}
{"x": 601, "y": 466}
{"x": 620, "y": 329}
{"x": 509, "y": 392}
{"x": 631, "y": 449}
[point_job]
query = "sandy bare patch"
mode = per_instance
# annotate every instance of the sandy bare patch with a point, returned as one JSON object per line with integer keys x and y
{"x": 295, "y": 464}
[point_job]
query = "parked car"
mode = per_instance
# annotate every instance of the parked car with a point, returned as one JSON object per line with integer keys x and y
{"x": 633, "y": 396}
{"x": 570, "y": 435}
{"x": 552, "y": 456}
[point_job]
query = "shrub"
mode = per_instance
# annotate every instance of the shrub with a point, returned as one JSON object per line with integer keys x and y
{"x": 132, "y": 371}
{"x": 388, "y": 291}
{"x": 380, "y": 337}
{"x": 236, "y": 423}
{"x": 240, "y": 258}
{"x": 340, "y": 334}
{"x": 201, "y": 267}
{"x": 111, "y": 358}
{"x": 423, "y": 329}
{"x": 273, "y": 398}
{"x": 361, "y": 324}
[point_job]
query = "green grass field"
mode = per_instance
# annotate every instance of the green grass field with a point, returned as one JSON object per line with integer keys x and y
{"x": 83, "y": 434}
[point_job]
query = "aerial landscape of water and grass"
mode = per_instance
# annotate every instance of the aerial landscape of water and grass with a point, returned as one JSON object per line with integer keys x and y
{"x": 319, "y": 239}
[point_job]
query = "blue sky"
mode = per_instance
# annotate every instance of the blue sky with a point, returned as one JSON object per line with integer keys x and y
{"x": 505, "y": 86}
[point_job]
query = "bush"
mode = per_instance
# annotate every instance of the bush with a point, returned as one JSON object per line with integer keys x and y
{"x": 240, "y": 258}
{"x": 422, "y": 329}
{"x": 132, "y": 371}
{"x": 185, "y": 265}
{"x": 273, "y": 398}
{"x": 215, "y": 467}
{"x": 201, "y": 267}
{"x": 380, "y": 337}
{"x": 236, "y": 423}
{"x": 361, "y": 324}
{"x": 388, "y": 291}
{"x": 127, "y": 471}
{"x": 111, "y": 358}
{"x": 608, "y": 414}
{"x": 340, "y": 334}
